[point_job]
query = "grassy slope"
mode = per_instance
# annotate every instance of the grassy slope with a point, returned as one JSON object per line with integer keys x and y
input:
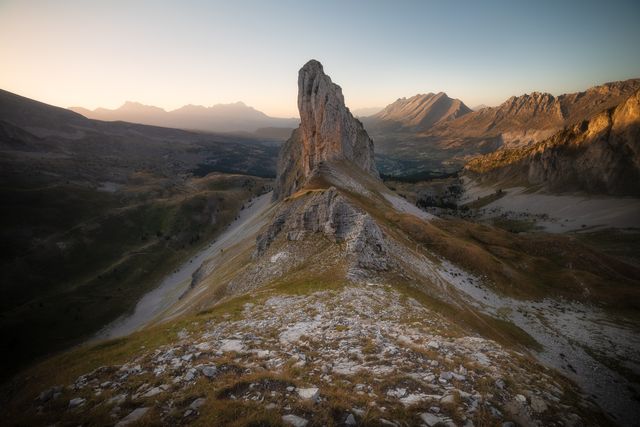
{"x": 219, "y": 410}
{"x": 401, "y": 227}
{"x": 531, "y": 266}
{"x": 66, "y": 366}
{"x": 85, "y": 257}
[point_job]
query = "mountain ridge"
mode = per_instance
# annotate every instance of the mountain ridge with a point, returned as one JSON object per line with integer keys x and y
{"x": 339, "y": 302}
{"x": 517, "y": 122}
{"x": 535, "y": 116}
{"x": 600, "y": 154}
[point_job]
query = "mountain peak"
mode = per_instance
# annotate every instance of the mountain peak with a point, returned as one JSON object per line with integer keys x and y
{"x": 420, "y": 112}
{"x": 328, "y": 131}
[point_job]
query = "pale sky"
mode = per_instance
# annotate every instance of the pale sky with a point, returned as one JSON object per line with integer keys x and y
{"x": 172, "y": 53}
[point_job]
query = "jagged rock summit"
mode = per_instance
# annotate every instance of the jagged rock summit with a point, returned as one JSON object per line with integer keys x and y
{"x": 328, "y": 131}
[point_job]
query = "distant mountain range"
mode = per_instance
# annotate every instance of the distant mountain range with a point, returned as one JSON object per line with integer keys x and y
{"x": 112, "y": 151}
{"x": 479, "y": 107}
{"x": 236, "y": 117}
{"x": 533, "y": 117}
{"x": 431, "y": 135}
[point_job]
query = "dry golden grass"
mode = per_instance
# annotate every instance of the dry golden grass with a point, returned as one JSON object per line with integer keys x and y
{"x": 529, "y": 266}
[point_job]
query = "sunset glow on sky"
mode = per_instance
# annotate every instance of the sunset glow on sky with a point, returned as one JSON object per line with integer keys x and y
{"x": 168, "y": 54}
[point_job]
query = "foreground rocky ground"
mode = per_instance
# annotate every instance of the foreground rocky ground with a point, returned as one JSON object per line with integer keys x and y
{"x": 353, "y": 354}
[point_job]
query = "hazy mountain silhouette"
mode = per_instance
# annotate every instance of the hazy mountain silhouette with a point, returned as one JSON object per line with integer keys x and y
{"x": 479, "y": 107}
{"x": 366, "y": 111}
{"x": 236, "y": 117}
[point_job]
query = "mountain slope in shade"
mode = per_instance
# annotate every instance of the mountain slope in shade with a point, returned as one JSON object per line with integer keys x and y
{"x": 217, "y": 118}
{"x": 418, "y": 113}
{"x": 93, "y": 211}
{"x": 598, "y": 155}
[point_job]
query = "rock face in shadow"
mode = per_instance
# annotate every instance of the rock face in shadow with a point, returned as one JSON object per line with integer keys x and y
{"x": 328, "y": 131}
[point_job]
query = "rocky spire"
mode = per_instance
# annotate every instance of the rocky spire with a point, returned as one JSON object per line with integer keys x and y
{"x": 327, "y": 132}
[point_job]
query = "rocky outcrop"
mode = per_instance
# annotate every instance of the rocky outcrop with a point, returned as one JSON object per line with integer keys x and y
{"x": 329, "y": 213}
{"x": 598, "y": 155}
{"x": 327, "y": 132}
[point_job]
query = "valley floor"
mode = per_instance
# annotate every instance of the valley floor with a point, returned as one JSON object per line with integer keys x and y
{"x": 553, "y": 213}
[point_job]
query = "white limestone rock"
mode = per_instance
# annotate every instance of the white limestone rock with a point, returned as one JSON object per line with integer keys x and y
{"x": 328, "y": 131}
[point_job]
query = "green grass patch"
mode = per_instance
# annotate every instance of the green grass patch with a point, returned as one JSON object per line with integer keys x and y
{"x": 308, "y": 286}
{"x": 231, "y": 307}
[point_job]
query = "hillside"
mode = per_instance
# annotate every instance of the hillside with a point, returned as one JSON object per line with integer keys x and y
{"x": 598, "y": 155}
{"x": 340, "y": 303}
{"x": 236, "y": 117}
{"x": 95, "y": 213}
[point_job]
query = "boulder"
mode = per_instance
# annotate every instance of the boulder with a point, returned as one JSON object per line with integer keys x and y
{"x": 312, "y": 393}
{"x": 133, "y": 416}
{"x": 78, "y": 401}
{"x": 209, "y": 371}
{"x": 294, "y": 420}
